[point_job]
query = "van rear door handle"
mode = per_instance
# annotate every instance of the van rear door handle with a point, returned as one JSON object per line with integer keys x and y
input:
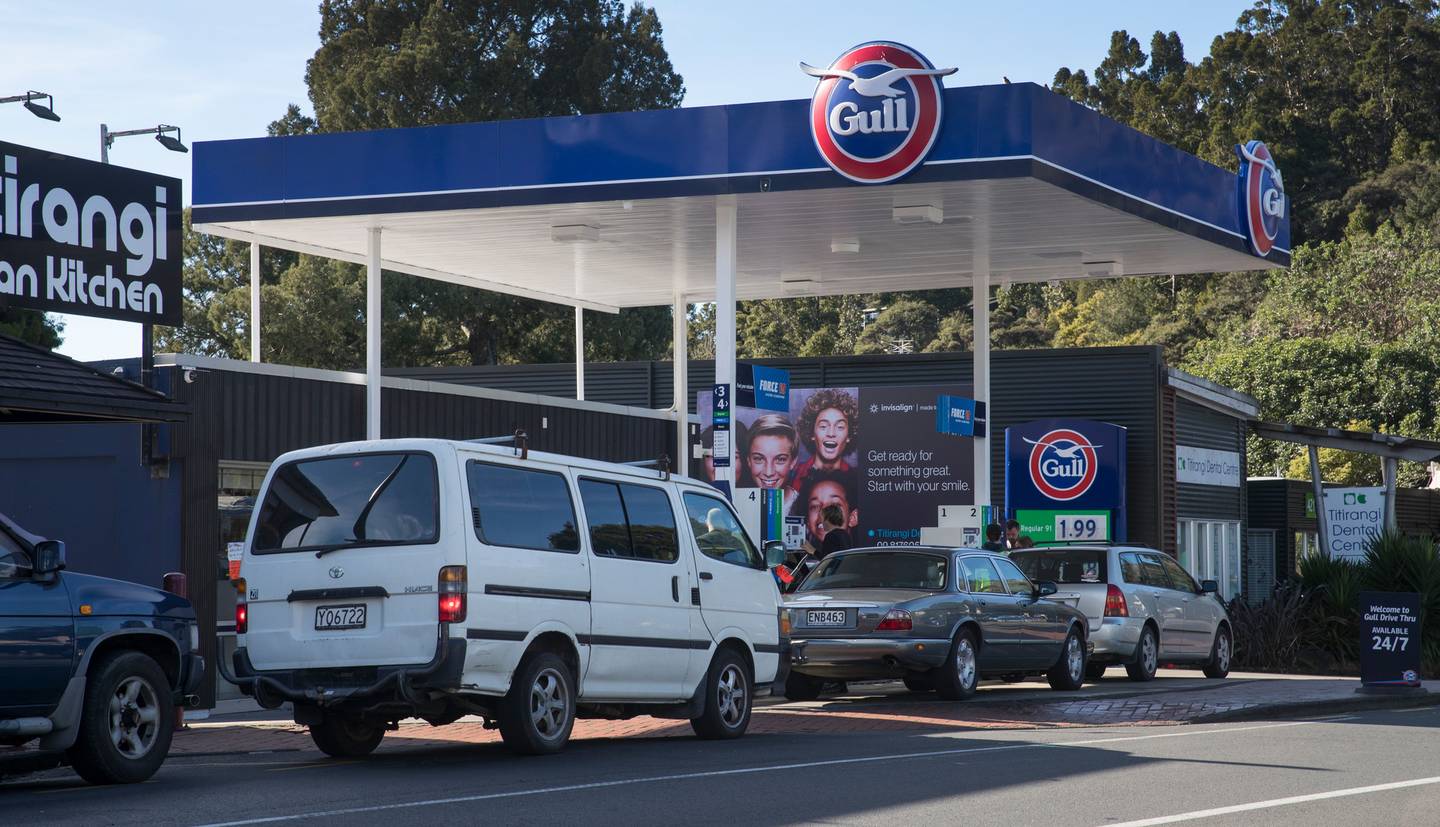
{"x": 705, "y": 575}
{"x": 675, "y": 588}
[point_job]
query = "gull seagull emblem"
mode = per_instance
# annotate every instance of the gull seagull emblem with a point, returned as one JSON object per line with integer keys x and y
{"x": 1063, "y": 453}
{"x": 880, "y": 86}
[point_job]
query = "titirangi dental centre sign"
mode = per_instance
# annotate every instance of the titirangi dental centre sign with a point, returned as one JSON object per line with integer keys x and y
{"x": 91, "y": 239}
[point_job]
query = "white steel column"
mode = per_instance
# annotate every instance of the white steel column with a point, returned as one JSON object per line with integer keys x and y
{"x": 725, "y": 247}
{"x": 372, "y": 337}
{"x": 254, "y": 301}
{"x": 679, "y": 334}
{"x": 980, "y": 298}
{"x": 580, "y": 353}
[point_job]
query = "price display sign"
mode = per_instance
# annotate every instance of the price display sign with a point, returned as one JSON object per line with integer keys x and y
{"x": 1051, "y": 526}
{"x": 1389, "y": 639}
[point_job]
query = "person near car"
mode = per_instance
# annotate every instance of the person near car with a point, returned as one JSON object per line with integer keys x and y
{"x": 837, "y": 537}
{"x": 1025, "y": 541}
{"x": 821, "y": 489}
{"x": 1012, "y": 534}
{"x": 993, "y": 535}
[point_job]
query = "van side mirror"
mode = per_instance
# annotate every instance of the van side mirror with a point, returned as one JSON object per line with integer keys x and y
{"x": 49, "y": 557}
{"x": 1209, "y": 587}
{"x": 774, "y": 554}
{"x": 1045, "y": 588}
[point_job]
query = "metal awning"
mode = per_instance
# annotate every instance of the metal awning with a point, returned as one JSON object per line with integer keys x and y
{"x": 733, "y": 202}
{"x": 1388, "y": 446}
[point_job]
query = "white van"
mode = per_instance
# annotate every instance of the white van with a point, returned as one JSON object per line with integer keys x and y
{"x": 431, "y": 578}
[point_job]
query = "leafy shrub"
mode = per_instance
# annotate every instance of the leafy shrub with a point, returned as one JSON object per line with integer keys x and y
{"x": 1331, "y": 620}
{"x": 1270, "y": 637}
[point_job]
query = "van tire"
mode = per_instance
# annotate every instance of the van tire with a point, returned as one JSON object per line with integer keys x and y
{"x": 538, "y": 713}
{"x": 345, "y": 736}
{"x": 128, "y": 692}
{"x": 729, "y": 698}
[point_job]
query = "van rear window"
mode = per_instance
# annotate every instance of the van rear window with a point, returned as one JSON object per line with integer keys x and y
{"x": 1062, "y": 565}
{"x": 354, "y": 500}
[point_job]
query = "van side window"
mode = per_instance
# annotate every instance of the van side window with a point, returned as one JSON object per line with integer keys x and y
{"x": 382, "y": 499}
{"x": 632, "y": 522}
{"x": 718, "y": 534}
{"x": 522, "y": 508}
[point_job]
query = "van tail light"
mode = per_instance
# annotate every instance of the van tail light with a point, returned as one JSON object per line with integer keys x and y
{"x": 452, "y": 588}
{"x": 242, "y": 611}
{"x": 895, "y": 620}
{"x": 784, "y": 616}
{"x": 1115, "y": 605}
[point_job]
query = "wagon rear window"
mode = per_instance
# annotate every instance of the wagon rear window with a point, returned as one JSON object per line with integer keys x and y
{"x": 1062, "y": 565}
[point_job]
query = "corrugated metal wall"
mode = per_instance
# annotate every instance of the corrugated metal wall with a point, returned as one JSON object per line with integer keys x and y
{"x": 1119, "y": 385}
{"x": 1197, "y": 426}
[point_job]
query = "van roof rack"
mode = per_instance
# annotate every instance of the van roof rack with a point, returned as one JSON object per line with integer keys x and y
{"x": 520, "y": 439}
{"x": 661, "y": 464}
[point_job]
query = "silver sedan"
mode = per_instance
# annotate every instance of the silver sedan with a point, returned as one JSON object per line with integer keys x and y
{"x": 939, "y": 618}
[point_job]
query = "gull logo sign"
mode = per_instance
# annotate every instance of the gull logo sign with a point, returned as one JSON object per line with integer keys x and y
{"x": 876, "y": 111}
{"x": 1261, "y": 196}
{"x": 1062, "y": 464}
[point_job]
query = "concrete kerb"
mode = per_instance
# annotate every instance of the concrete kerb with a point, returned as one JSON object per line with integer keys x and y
{"x": 1310, "y": 709}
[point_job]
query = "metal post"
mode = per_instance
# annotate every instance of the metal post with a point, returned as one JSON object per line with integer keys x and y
{"x": 679, "y": 333}
{"x": 725, "y": 249}
{"x": 372, "y": 337}
{"x": 1391, "y": 468}
{"x": 254, "y": 301}
{"x": 1321, "y": 530}
{"x": 980, "y": 298}
{"x": 104, "y": 144}
{"x": 580, "y": 353}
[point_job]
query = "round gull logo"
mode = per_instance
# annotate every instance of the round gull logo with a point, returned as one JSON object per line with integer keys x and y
{"x": 1063, "y": 464}
{"x": 876, "y": 111}
{"x": 1261, "y": 196}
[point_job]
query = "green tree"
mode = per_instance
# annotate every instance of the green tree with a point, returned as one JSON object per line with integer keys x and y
{"x": 908, "y": 325}
{"x": 31, "y": 326}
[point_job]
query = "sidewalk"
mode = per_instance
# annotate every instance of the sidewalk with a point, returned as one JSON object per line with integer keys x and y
{"x": 1176, "y": 697}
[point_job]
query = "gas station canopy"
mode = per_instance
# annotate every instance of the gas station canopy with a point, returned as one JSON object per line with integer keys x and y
{"x": 617, "y": 210}
{"x": 886, "y": 181}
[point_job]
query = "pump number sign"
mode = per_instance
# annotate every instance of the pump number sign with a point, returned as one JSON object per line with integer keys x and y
{"x": 1048, "y": 526}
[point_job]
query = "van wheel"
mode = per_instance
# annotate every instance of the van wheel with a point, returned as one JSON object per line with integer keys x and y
{"x": 957, "y": 679}
{"x": 126, "y": 722}
{"x": 1068, "y": 673}
{"x": 800, "y": 687}
{"x": 538, "y": 712}
{"x": 728, "y": 698}
{"x": 345, "y": 736}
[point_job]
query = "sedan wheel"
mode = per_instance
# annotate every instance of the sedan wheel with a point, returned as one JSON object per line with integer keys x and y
{"x": 957, "y": 679}
{"x": 1068, "y": 673}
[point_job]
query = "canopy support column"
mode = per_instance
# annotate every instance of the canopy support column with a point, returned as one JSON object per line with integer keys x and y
{"x": 580, "y": 353}
{"x": 679, "y": 333}
{"x": 980, "y": 299}
{"x": 255, "y": 301}
{"x": 725, "y": 248}
{"x": 1322, "y": 530}
{"x": 372, "y": 336}
{"x": 1391, "y": 468}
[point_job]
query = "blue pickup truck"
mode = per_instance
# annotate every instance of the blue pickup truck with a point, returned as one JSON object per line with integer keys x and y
{"x": 91, "y": 668}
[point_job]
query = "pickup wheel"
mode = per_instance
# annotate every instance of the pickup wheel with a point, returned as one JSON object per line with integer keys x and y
{"x": 127, "y": 720}
{"x": 538, "y": 712}
{"x": 346, "y": 736}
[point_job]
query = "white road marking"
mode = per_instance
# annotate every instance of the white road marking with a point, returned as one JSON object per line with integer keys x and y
{"x": 1277, "y": 802}
{"x": 687, "y": 776}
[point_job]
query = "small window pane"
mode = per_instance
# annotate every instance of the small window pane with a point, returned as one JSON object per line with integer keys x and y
{"x": 1180, "y": 580}
{"x": 609, "y": 534}
{"x": 1016, "y": 582}
{"x": 1152, "y": 572}
{"x": 522, "y": 508}
{"x": 982, "y": 576}
{"x": 718, "y": 534}
{"x": 652, "y": 523}
{"x": 1130, "y": 568}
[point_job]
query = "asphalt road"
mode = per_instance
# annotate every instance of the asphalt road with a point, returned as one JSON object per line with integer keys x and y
{"x": 1368, "y": 768}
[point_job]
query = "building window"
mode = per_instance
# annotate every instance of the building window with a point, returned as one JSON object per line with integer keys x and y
{"x": 1210, "y": 550}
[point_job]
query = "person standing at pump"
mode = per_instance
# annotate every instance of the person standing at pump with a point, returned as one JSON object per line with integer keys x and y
{"x": 993, "y": 533}
{"x": 837, "y": 537}
{"x": 1012, "y": 534}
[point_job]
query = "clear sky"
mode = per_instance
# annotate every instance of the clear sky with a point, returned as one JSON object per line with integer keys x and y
{"x": 225, "y": 70}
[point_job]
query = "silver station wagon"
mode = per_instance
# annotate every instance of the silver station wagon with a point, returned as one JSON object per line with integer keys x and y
{"x": 939, "y": 618}
{"x": 1143, "y": 608}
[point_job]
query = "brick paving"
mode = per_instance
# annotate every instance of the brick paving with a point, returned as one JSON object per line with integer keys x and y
{"x": 1137, "y": 705}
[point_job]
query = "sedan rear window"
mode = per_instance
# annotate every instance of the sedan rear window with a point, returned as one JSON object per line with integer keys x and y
{"x": 352, "y": 500}
{"x": 1062, "y": 565}
{"x": 879, "y": 570}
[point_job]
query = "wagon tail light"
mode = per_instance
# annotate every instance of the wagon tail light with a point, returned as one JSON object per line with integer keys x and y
{"x": 895, "y": 620}
{"x": 242, "y": 611}
{"x": 1115, "y": 602}
{"x": 452, "y": 588}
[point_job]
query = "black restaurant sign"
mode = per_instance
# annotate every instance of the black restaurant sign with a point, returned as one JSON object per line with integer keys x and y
{"x": 1389, "y": 639}
{"x": 91, "y": 239}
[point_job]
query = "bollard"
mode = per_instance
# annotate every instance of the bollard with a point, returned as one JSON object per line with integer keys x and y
{"x": 175, "y": 583}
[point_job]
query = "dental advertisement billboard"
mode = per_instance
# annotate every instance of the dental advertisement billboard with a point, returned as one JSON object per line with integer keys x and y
{"x": 874, "y": 453}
